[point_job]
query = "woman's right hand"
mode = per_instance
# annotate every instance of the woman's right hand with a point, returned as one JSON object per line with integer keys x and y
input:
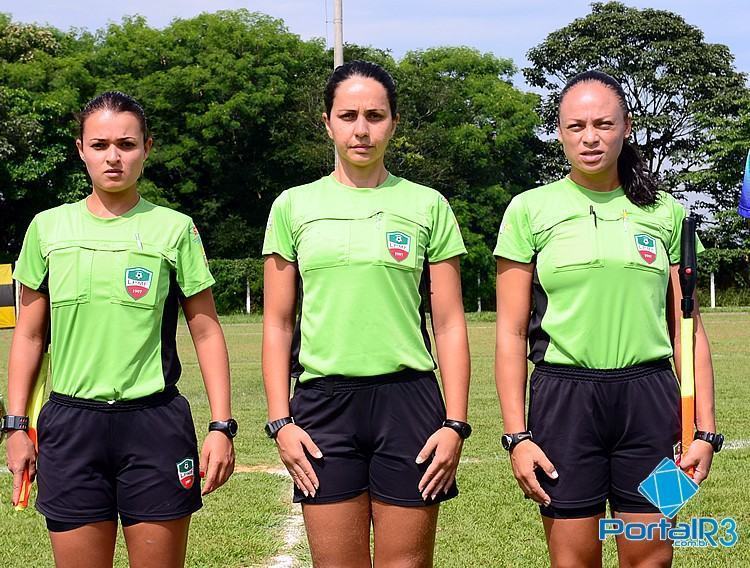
{"x": 21, "y": 456}
{"x": 292, "y": 441}
{"x": 525, "y": 458}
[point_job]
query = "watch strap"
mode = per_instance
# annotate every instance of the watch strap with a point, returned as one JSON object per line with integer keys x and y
{"x": 13, "y": 422}
{"x": 463, "y": 429}
{"x": 227, "y": 427}
{"x": 716, "y": 440}
{"x": 510, "y": 441}
{"x": 273, "y": 426}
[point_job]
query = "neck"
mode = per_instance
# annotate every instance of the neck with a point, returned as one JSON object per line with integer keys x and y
{"x": 106, "y": 204}
{"x": 371, "y": 176}
{"x": 605, "y": 181}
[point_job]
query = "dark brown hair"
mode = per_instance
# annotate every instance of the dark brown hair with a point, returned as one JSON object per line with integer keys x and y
{"x": 114, "y": 101}
{"x": 359, "y": 68}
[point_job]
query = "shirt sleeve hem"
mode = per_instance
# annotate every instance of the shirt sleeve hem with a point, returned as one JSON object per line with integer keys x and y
{"x": 27, "y": 281}
{"x": 446, "y": 255}
{"x": 283, "y": 255}
{"x": 193, "y": 290}
{"x": 513, "y": 256}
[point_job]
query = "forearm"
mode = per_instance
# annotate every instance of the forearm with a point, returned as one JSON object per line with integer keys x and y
{"x": 214, "y": 364}
{"x": 277, "y": 343}
{"x": 23, "y": 368}
{"x": 455, "y": 369}
{"x": 705, "y": 415}
{"x": 510, "y": 379}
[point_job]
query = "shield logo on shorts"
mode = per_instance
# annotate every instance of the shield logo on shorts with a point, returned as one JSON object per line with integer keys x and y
{"x": 138, "y": 282}
{"x": 646, "y": 245}
{"x": 399, "y": 245}
{"x": 186, "y": 472}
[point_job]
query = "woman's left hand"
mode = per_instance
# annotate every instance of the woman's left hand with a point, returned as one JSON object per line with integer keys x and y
{"x": 217, "y": 461}
{"x": 446, "y": 446}
{"x": 699, "y": 456}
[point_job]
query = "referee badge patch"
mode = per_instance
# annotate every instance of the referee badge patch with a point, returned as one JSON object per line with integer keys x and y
{"x": 138, "y": 282}
{"x": 646, "y": 245}
{"x": 186, "y": 472}
{"x": 399, "y": 245}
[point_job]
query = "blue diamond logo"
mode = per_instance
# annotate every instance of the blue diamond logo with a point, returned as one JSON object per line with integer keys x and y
{"x": 668, "y": 488}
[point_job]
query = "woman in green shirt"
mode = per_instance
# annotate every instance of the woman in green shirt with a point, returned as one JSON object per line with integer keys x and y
{"x": 366, "y": 437}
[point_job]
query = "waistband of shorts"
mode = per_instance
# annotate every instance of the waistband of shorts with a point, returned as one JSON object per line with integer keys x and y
{"x": 604, "y": 375}
{"x": 340, "y": 383}
{"x": 150, "y": 401}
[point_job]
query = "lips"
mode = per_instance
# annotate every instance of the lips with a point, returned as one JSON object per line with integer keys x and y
{"x": 591, "y": 156}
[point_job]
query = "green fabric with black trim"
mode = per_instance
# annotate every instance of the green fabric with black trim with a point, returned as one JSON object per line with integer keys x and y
{"x": 360, "y": 253}
{"x": 603, "y": 265}
{"x": 108, "y": 282}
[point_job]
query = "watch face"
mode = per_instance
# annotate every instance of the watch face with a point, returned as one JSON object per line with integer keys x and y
{"x": 507, "y": 440}
{"x": 232, "y": 427}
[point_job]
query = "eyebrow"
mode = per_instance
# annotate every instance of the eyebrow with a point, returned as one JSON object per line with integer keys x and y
{"x": 107, "y": 139}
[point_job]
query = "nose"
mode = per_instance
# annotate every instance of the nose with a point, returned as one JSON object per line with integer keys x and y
{"x": 361, "y": 127}
{"x": 590, "y": 136}
{"x": 113, "y": 154}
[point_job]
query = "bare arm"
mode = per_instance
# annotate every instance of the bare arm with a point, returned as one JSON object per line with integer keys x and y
{"x": 514, "y": 281}
{"x": 279, "y": 300}
{"x": 705, "y": 416}
{"x": 451, "y": 339}
{"x": 513, "y": 313}
{"x": 217, "y": 453}
{"x": 452, "y": 344}
{"x": 26, "y": 351}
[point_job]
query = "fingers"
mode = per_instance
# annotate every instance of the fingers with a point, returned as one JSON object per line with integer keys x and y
{"x": 17, "y": 482}
{"x": 525, "y": 461}
{"x": 211, "y": 475}
{"x": 699, "y": 475}
{"x": 203, "y": 461}
{"x": 427, "y": 449}
{"x": 293, "y": 443}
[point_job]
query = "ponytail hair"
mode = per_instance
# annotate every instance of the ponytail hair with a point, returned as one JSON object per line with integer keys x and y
{"x": 639, "y": 184}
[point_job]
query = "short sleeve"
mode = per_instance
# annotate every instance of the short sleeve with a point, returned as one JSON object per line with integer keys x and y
{"x": 678, "y": 214}
{"x": 193, "y": 275}
{"x": 279, "y": 238}
{"x": 445, "y": 236}
{"x": 31, "y": 268}
{"x": 515, "y": 239}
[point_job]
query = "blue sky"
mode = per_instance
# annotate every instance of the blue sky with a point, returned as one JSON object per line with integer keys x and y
{"x": 507, "y": 28}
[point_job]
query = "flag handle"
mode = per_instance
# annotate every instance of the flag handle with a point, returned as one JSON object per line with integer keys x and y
{"x": 688, "y": 278}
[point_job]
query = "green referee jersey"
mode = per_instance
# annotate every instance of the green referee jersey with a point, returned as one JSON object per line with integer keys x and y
{"x": 360, "y": 253}
{"x": 114, "y": 286}
{"x": 601, "y": 273}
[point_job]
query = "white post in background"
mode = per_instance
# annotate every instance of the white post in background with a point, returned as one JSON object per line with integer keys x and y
{"x": 338, "y": 46}
{"x": 713, "y": 291}
{"x": 479, "y": 293}
{"x": 247, "y": 297}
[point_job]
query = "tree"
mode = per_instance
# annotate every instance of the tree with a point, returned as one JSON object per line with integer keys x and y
{"x": 678, "y": 86}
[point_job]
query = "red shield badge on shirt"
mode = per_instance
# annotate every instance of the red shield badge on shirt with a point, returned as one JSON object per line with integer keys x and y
{"x": 399, "y": 245}
{"x": 186, "y": 472}
{"x": 138, "y": 282}
{"x": 646, "y": 245}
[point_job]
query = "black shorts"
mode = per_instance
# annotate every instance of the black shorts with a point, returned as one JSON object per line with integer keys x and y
{"x": 370, "y": 430}
{"x": 604, "y": 431}
{"x": 137, "y": 458}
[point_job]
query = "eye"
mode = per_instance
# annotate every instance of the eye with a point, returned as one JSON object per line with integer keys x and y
{"x": 98, "y": 145}
{"x": 575, "y": 127}
{"x": 348, "y": 116}
{"x": 128, "y": 144}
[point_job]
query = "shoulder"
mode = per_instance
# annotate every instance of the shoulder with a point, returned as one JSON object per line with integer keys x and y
{"x": 62, "y": 216}
{"x": 166, "y": 216}
{"x": 544, "y": 195}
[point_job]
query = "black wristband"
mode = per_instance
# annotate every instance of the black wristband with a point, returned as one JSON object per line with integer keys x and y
{"x": 463, "y": 429}
{"x": 273, "y": 426}
{"x": 12, "y": 422}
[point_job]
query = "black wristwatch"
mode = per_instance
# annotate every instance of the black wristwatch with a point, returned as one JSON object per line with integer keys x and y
{"x": 716, "y": 440}
{"x": 510, "y": 441}
{"x": 11, "y": 422}
{"x": 227, "y": 427}
{"x": 273, "y": 426}
{"x": 463, "y": 429}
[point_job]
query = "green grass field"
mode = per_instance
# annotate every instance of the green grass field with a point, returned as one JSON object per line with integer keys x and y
{"x": 251, "y": 522}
